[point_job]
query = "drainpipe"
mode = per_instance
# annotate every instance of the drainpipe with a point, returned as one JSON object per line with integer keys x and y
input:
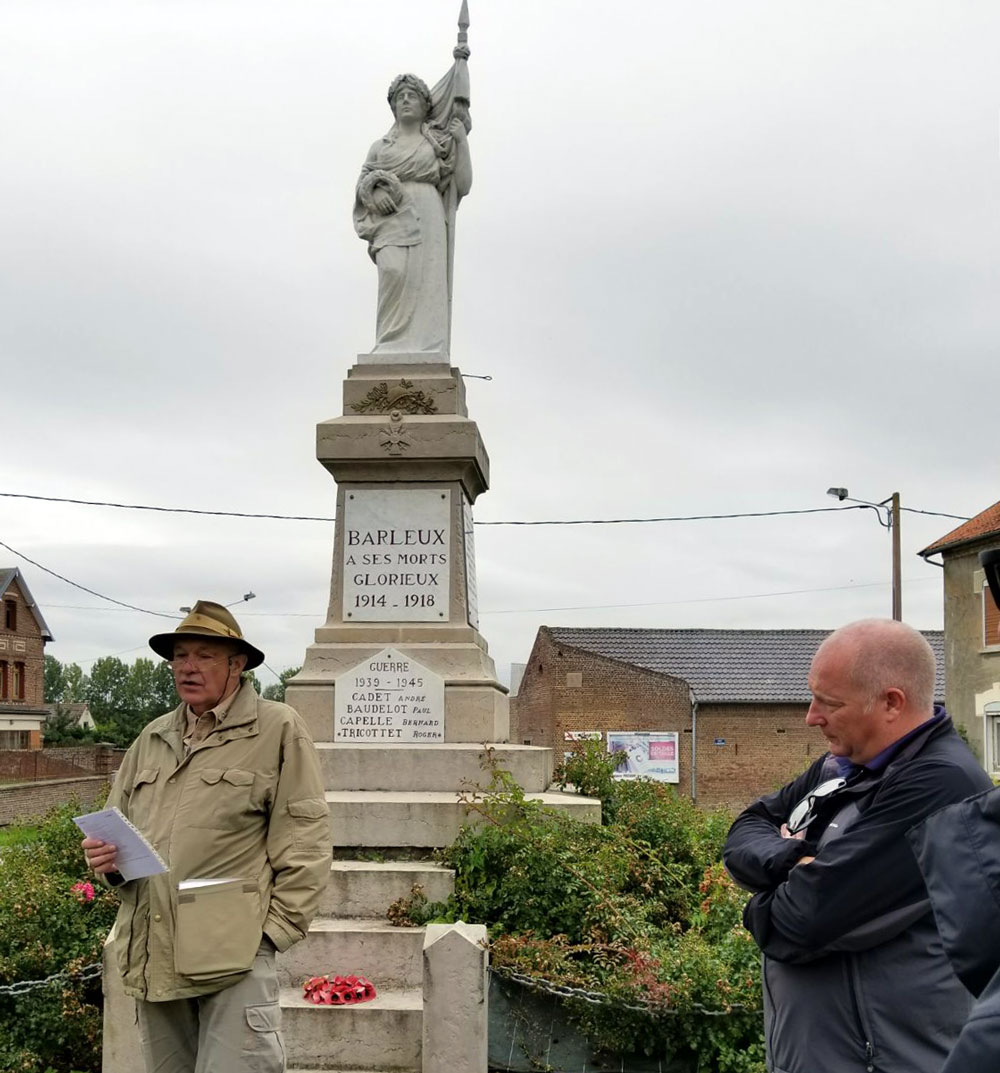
{"x": 694, "y": 747}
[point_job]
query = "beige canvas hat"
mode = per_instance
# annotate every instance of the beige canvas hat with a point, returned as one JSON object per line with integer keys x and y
{"x": 212, "y": 621}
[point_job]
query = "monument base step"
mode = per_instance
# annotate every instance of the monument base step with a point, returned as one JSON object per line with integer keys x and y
{"x": 373, "y": 818}
{"x": 431, "y": 766}
{"x": 384, "y": 1034}
{"x": 368, "y": 888}
{"x": 391, "y": 957}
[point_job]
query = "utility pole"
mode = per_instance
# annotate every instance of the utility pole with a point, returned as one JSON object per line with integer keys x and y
{"x": 897, "y": 583}
{"x": 892, "y": 510}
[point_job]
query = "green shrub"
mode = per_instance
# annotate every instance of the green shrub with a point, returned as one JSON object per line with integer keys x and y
{"x": 639, "y": 909}
{"x": 590, "y": 769}
{"x": 53, "y": 919}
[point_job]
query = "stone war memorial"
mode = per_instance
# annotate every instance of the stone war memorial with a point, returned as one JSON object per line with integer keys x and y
{"x": 398, "y": 689}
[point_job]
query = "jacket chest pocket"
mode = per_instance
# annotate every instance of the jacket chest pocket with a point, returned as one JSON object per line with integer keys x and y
{"x": 220, "y": 798}
{"x": 142, "y": 799}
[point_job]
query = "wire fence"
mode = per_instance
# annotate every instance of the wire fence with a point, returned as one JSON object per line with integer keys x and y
{"x": 597, "y": 998}
{"x": 23, "y": 987}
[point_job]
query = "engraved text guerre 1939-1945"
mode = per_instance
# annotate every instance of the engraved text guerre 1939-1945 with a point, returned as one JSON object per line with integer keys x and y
{"x": 389, "y": 697}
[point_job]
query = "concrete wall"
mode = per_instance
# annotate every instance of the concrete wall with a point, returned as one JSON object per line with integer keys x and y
{"x": 24, "y": 802}
{"x": 971, "y": 667}
{"x": 760, "y": 745}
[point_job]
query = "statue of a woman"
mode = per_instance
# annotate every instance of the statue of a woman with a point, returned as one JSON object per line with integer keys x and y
{"x": 409, "y": 188}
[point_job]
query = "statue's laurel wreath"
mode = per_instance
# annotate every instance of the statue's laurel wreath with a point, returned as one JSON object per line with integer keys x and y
{"x": 375, "y": 179}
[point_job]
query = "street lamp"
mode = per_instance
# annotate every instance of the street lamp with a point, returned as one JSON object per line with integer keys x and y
{"x": 891, "y": 508}
{"x": 243, "y": 599}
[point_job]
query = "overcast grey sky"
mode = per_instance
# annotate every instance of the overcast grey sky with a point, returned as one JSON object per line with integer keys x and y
{"x": 717, "y": 257}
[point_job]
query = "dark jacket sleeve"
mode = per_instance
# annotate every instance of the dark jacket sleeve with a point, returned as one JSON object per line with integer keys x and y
{"x": 978, "y": 1045}
{"x": 756, "y": 855}
{"x": 866, "y": 883}
{"x": 958, "y": 852}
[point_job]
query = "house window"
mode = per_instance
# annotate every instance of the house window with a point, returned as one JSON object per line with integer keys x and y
{"x": 991, "y": 619}
{"x": 17, "y": 686}
{"x": 4, "y": 682}
{"x": 991, "y": 720}
{"x": 10, "y": 614}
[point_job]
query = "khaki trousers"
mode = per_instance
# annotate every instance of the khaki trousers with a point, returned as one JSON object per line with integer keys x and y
{"x": 236, "y": 1030}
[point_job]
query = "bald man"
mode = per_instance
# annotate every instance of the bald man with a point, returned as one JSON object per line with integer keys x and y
{"x": 854, "y": 974}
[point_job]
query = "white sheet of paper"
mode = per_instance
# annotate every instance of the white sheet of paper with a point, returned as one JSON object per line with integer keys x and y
{"x": 136, "y": 856}
{"x": 194, "y": 884}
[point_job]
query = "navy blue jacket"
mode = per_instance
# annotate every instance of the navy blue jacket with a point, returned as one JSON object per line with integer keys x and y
{"x": 854, "y": 973}
{"x": 958, "y": 850}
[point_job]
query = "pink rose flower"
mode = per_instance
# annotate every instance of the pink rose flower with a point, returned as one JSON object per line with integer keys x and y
{"x": 84, "y": 892}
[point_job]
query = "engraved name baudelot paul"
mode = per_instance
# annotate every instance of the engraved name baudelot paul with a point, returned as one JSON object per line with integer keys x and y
{"x": 389, "y": 697}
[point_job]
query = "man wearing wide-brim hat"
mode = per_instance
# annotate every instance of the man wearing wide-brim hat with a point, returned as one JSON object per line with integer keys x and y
{"x": 227, "y": 787}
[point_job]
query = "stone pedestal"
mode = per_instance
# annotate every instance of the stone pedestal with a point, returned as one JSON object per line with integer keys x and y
{"x": 401, "y": 697}
{"x": 409, "y": 464}
{"x": 455, "y": 986}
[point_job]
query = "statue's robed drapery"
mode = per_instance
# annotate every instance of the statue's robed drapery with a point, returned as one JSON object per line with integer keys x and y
{"x": 413, "y": 245}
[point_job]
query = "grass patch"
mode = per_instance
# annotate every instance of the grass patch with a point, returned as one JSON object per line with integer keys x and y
{"x": 18, "y": 836}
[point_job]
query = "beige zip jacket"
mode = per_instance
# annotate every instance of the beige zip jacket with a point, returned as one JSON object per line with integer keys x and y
{"x": 246, "y": 805}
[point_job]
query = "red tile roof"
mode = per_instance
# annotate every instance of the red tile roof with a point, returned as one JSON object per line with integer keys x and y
{"x": 983, "y": 525}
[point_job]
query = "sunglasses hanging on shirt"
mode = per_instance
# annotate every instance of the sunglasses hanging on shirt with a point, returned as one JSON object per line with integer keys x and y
{"x": 805, "y": 811}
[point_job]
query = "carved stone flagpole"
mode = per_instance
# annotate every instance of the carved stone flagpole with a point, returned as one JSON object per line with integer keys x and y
{"x": 463, "y": 99}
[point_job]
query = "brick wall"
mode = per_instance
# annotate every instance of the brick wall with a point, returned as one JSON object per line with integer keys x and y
{"x": 565, "y": 689}
{"x": 762, "y": 745}
{"x": 54, "y": 763}
{"x": 34, "y": 764}
{"x": 765, "y": 745}
{"x": 99, "y": 759}
{"x": 30, "y": 801}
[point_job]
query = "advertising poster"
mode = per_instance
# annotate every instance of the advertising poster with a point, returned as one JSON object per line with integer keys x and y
{"x": 649, "y": 754}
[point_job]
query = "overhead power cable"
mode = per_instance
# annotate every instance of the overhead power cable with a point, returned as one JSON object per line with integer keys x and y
{"x": 577, "y": 607}
{"x": 167, "y": 510}
{"x": 550, "y": 521}
{"x": 83, "y": 588}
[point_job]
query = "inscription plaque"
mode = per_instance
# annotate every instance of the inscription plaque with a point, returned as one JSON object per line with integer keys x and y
{"x": 389, "y": 697}
{"x": 397, "y": 555}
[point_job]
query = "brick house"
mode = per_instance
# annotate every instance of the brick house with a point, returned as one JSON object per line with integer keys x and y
{"x": 736, "y": 698}
{"x": 972, "y": 633}
{"x": 23, "y": 634}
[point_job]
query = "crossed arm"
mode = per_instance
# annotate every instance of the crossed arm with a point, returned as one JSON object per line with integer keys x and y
{"x": 858, "y": 890}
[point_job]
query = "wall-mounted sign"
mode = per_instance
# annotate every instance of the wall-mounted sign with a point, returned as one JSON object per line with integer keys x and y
{"x": 389, "y": 697}
{"x": 582, "y": 735}
{"x": 397, "y": 555}
{"x": 719, "y": 741}
{"x": 648, "y": 755}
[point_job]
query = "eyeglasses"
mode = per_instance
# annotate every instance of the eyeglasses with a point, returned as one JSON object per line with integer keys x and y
{"x": 805, "y": 811}
{"x": 200, "y": 663}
